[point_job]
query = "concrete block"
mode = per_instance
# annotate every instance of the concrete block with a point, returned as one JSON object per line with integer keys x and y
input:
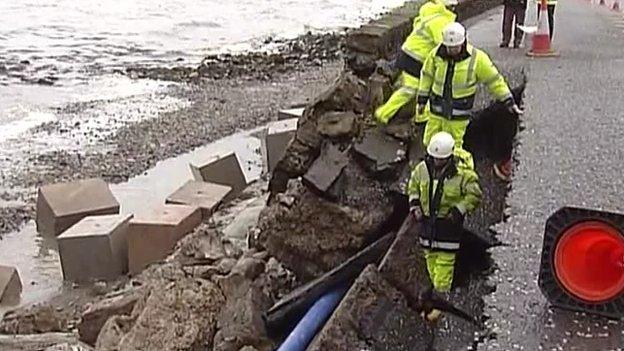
{"x": 290, "y": 113}
{"x": 223, "y": 169}
{"x": 95, "y": 248}
{"x": 59, "y": 206}
{"x": 154, "y": 233}
{"x": 206, "y": 196}
{"x": 10, "y": 285}
{"x": 277, "y": 137}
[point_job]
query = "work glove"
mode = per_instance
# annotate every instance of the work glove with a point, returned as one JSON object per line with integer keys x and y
{"x": 432, "y": 317}
{"x": 515, "y": 109}
{"x": 416, "y": 213}
{"x": 456, "y": 216}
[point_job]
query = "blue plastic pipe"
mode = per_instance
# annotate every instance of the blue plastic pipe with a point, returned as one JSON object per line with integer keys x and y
{"x": 313, "y": 321}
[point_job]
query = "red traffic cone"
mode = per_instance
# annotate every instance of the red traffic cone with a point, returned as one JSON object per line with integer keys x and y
{"x": 582, "y": 266}
{"x": 541, "y": 38}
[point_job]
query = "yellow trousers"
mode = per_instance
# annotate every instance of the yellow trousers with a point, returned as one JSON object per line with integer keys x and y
{"x": 441, "y": 266}
{"x": 436, "y": 124}
{"x": 406, "y": 92}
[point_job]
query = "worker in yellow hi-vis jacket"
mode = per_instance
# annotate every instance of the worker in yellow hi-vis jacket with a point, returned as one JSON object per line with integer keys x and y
{"x": 426, "y": 34}
{"x": 448, "y": 83}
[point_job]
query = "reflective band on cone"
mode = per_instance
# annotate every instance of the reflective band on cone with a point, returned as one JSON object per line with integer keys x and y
{"x": 589, "y": 261}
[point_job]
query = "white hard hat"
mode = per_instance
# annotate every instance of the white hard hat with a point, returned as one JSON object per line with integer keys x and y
{"x": 441, "y": 145}
{"x": 453, "y": 34}
{"x": 451, "y": 2}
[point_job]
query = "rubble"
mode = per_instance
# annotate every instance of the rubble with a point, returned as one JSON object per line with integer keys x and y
{"x": 45, "y": 341}
{"x": 337, "y": 124}
{"x": 204, "y": 298}
{"x": 96, "y": 315}
{"x": 380, "y": 154}
{"x": 373, "y": 315}
{"x": 34, "y": 320}
{"x": 313, "y": 235}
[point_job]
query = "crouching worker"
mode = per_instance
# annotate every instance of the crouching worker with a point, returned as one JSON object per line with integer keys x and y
{"x": 441, "y": 193}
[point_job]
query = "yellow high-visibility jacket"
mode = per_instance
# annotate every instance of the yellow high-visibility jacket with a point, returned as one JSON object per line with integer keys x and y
{"x": 426, "y": 33}
{"x": 450, "y": 85}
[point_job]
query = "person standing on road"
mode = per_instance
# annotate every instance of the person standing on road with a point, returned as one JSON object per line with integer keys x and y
{"x": 514, "y": 10}
{"x": 441, "y": 193}
{"x": 550, "y": 6}
{"x": 433, "y": 16}
{"x": 448, "y": 82}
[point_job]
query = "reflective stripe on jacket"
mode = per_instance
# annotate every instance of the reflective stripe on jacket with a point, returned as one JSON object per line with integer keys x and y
{"x": 450, "y": 85}
{"x": 460, "y": 189}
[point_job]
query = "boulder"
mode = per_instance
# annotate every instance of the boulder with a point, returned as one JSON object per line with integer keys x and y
{"x": 96, "y": 315}
{"x": 178, "y": 314}
{"x": 311, "y": 235}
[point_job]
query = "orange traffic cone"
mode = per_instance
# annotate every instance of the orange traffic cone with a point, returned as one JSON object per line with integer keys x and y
{"x": 541, "y": 38}
{"x": 582, "y": 266}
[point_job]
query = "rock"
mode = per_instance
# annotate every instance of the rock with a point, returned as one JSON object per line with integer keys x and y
{"x": 404, "y": 265}
{"x": 248, "y": 348}
{"x": 74, "y": 346}
{"x": 240, "y": 322}
{"x": 346, "y": 94}
{"x": 373, "y": 316}
{"x": 205, "y": 246}
{"x": 326, "y": 170}
{"x": 96, "y": 315}
{"x": 314, "y": 235}
{"x": 113, "y": 331}
{"x": 34, "y": 320}
{"x": 380, "y": 154}
{"x": 336, "y": 124}
{"x": 177, "y": 315}
{"x": 29, "y": 342}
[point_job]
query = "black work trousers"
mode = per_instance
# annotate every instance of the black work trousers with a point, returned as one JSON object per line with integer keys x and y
{"x": 551, "y": 18}
{"x": 511, "y": 13}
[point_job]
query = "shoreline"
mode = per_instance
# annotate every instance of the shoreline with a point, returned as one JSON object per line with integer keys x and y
{"x": 249, "y": 96}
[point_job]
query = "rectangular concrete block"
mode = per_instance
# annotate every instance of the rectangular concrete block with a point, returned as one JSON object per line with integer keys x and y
{"x": 277, "y": 137}
{"x": 154, "y": 233}
{"x": 206, "y": 196}
{"x": 223, "y": 169}
{"x": 59, "y": 206}
{"x": 10, "y": 285}
{"x": 95, "y": 248}
{"x": 290, "y": 113}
